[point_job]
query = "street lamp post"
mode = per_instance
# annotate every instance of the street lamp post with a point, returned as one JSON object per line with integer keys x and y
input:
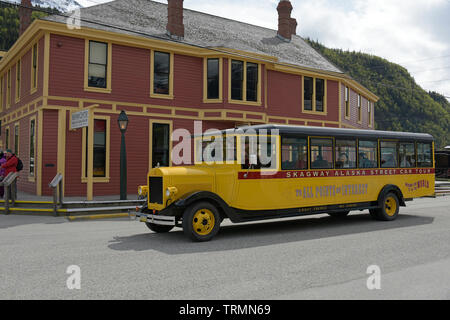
{"x": 123, "y": 124}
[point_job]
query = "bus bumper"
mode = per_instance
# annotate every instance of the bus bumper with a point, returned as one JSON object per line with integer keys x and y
{"x": 152, "y": 218}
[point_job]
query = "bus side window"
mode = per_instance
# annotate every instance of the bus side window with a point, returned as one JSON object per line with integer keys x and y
{"x": 367, "y": 154}
{"x": 321, "y": 153}
{"x": 261, "y": 149}
{"x": 424, "y": 155}
{"x": 389, "y": 154}
{"x": 345, "y": 154}
{"x": 294, "y": 154}
{"x": 407, "y": 155}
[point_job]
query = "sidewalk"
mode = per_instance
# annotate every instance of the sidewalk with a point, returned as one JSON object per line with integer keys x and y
{"x": 23, "y": 196}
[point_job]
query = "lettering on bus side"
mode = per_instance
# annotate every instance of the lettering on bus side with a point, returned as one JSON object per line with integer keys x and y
{"x": 332, "y": 191}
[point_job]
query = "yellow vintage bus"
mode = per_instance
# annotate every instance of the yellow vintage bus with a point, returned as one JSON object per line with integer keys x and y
{"x": 290, "y": 171}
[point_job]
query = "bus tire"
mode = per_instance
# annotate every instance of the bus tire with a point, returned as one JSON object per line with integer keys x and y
{"x": 338, "y": 214}
{"x": 201, "y": 221}
{"x": 389, "y": 209}
{"x": 158, "y": 228}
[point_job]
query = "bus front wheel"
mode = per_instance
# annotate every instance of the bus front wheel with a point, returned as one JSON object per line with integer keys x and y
{"x": 201, "y": 221}
{"x": 388, "y": 211}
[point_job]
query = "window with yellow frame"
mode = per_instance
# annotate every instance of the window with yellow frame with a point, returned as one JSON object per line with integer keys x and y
{"x": 97, "y": 66}
{"x": 8, "y": 89}
{"x": 314, "y": 99}
{"x": 161, "y": 74}
{"x": 100, "y": 149}
{"x": 244, "y": 82}
{"x": 34, "y": 67}
{"x": 18, "y": 79}
{"x": 212, "y": 80}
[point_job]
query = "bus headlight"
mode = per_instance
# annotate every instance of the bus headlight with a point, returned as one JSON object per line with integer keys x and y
{"x": 171, "y": 191}
{"x": 142, "y": 191}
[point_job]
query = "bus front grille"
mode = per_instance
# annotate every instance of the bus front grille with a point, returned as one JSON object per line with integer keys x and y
{"x": 155, "y": 190}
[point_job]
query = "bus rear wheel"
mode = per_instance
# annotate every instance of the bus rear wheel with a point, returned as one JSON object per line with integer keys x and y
{"x": 389, "y": 209}
{"x": 201, "y": 221}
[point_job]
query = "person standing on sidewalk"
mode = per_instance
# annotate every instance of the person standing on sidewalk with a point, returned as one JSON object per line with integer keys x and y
{"x": 10, "y": 166}
{"x": 2, "y": 172}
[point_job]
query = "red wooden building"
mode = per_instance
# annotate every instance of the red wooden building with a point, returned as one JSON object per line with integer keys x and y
{"x": 166, "y": 66}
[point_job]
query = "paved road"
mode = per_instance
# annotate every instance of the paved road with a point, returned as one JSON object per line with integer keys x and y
{"x": 315, "y": 257}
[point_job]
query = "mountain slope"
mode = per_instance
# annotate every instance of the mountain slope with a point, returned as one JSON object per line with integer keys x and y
{"x": 60, "y": 5}
{"x": 403, "y": 104}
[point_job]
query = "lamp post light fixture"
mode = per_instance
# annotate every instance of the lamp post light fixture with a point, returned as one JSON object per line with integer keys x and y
{"x": 123, "y": 124}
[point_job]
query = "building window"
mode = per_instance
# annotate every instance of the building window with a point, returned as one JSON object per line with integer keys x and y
{"x": 160, "y": 147}
{"x": 245, "y": 82}
{"x": 308, "y": 93}
{"x": 8, "y": 89}
{"x": 18, "y": 74}
{"x": 213, "y": 73}
{"x": 32, "y": 145}
{"x": 347, "y": 102}
{"x": 237, "y": 80}
{"x": 99, "y": 148}
{"x": 161, "y": 75}
{"x": 359, "y": 108}
{"x": 98, "y": 64}
{"x": 16, "y": 139}
{"x": 369, "y": 112}
{"x": 314, "y": 95}
{"x": 252, "y": 82}
{"x": 34, "y": 73}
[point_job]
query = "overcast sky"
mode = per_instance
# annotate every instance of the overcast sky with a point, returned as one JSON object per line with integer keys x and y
{"x": 413, "y": 33}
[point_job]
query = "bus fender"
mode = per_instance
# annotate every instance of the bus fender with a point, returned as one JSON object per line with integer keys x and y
{"x": 391, "y": 188}
{"x": 225, "y": 210}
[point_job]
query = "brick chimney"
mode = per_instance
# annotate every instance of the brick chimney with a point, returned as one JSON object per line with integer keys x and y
{"x": 24, "y": 15}
{"x": 286, "y": 25}
{"x": 175, "y": 26}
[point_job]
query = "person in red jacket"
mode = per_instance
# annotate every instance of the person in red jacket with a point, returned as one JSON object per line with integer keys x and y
{"x": 10, "y": 166}
{"x": 11, "y": 163}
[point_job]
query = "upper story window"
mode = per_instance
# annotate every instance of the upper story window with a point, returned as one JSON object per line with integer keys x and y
{"x": 308, "y": 93}
{"x": 314, "y": 95}
{"x": 369, "y": 112}
{"x": 18, "y": 79}
{"x": 237, "y": 80}
{"x": 8, "y": 89}
{"x": 359, "y": 108}
{"x": 347, "y": 102}
{"x": 34, "y": 67}
{"x": 161, "y": 73}
{"x": 245, "y": 81}
{"x": 252, "y": 82}
{"x": 213, "y": 77}
{"x": 320, "y": 95}
{"x": 98, "y": 64}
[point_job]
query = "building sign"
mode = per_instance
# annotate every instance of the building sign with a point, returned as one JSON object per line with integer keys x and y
{"x": 79, "y": 119}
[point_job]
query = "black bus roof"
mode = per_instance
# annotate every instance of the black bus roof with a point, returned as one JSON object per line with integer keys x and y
{"x": 325, "y": 132}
